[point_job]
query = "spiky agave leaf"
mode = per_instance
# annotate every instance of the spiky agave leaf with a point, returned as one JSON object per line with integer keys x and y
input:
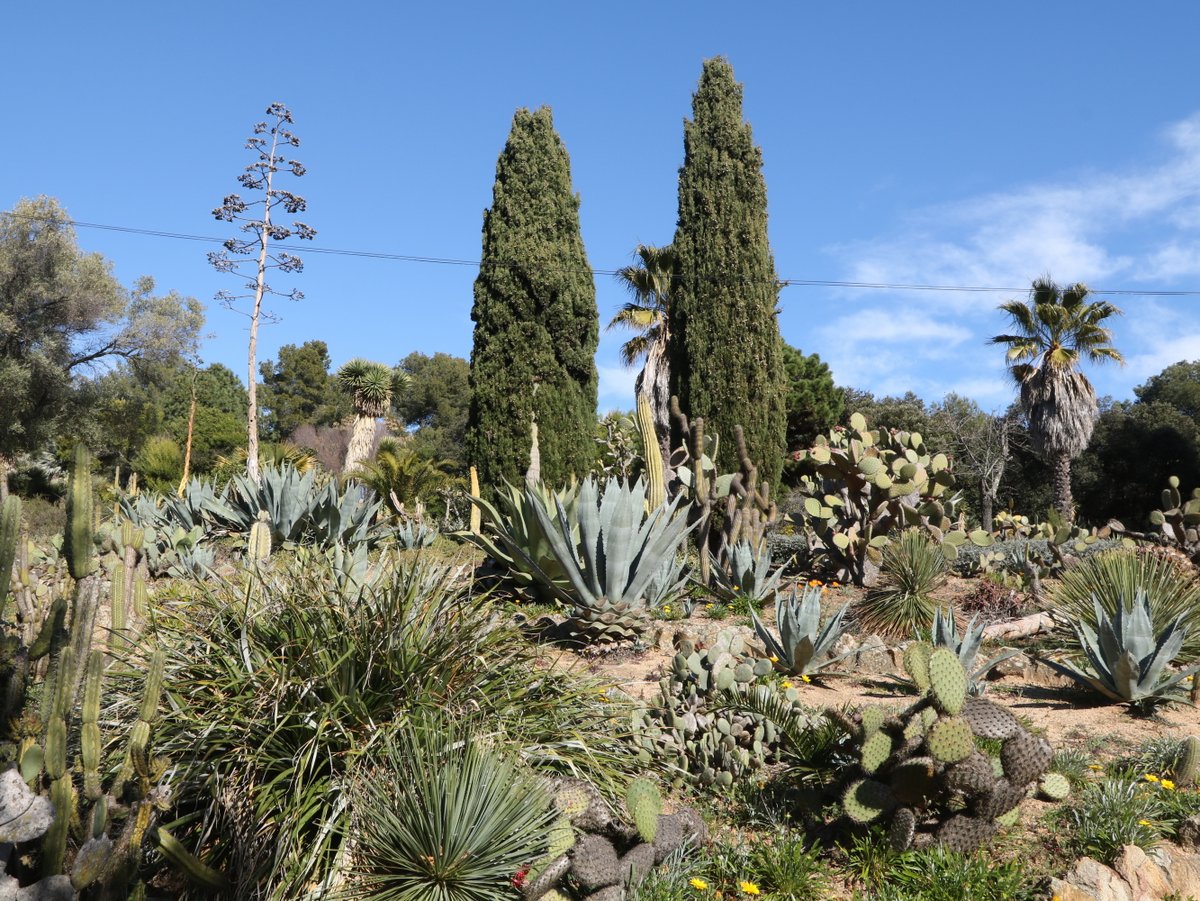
{"x": 804, "y": 645}
{"x": 1126, "y": 659}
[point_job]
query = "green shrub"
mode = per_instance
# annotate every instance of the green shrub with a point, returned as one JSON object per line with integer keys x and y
{"x": 913, "y": 567}
{"x": 283, "y": 682}
{"x": 939, "y": 875}
{"x": 1170, "y": 584}
{"x": 1119, "y": 811}
{"x": 159, "y": 464}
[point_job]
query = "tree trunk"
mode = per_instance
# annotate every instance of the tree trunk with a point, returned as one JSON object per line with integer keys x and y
{"x": 3, "y": 479}
{"x": 987, "y": 499}
{"x": 1063, "y": 501}
{"x": 362, "y": 439}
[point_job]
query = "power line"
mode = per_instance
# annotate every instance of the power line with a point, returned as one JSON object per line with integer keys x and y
{"x": 785, "y": 283}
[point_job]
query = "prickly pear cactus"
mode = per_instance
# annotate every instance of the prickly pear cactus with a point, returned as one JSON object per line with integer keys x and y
{"x": 697, "y": 740}
{"x": 923, "y": 773}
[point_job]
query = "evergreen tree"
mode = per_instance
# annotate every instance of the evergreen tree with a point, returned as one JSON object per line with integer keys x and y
{"x": 536, "y": 323}
{"x": 814, "y": 403}
{"x": 725, "y": 350}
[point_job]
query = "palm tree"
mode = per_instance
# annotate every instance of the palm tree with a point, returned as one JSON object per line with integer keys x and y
{"x": 1052, "y": 332}
{"x": 647, "y": 314}
{"x": 403, "y": 476}
{"x": 370, "y": 386}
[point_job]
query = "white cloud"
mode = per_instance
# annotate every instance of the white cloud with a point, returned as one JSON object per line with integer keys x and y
{"x": 1138, "y": 228}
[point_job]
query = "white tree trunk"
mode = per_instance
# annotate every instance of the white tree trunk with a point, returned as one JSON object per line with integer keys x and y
{"x": 362, "y": 440}
{"x": 654, "y": 381}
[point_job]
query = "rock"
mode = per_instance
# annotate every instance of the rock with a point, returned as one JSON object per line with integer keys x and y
{"x": 873, "y": 656}
{"x": 1017, "y": 665}
{"x": 1143, "y": 875}
{"x": 52, "y": 888}
{"x": 1166, "y": 872}
{"x": 844, "y": 645}
{"x": 23, "y": 814}
{"x": 1188, "y": 834}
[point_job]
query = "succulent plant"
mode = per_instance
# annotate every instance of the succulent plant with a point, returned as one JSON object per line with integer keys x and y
{"x": 620, "y": 549}
{"x": 864, "y": 485}
{"x": 965, "y": 647}
{"x": 804, "y": 646}
{"x": 513, "y": 537}
{"x": 1127, "y": 659}
{"x": 743, "y": 571}
{"x": 923, "y": 768}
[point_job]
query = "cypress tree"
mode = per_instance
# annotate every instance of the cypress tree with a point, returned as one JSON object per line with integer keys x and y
{"x": 536, "y": 322}
{"x": 725, "y": 349}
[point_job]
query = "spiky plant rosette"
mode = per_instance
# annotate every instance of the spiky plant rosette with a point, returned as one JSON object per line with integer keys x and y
{"x": 913, "y": 567}
{"x": 1171, "y": 586}
{"x": 369, "y": 384}
{"x": 443, "y": 817}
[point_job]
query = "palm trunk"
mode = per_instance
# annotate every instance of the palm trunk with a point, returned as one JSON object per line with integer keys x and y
{"x": 654, "y": 381}
{"x": 1063, "y": 502}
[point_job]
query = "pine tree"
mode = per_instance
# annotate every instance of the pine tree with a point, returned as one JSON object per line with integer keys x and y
{"x": 725, "y": 349}
{"x": 536, "y": 323}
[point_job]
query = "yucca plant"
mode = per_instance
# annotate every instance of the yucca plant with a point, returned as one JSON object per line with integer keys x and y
{"x": 514, "y": 538}
{"x": 1171, "y": 587}
{"x": 621, "y": 548}
{"x": 913, "y": 568}
{"x": 280, "y": 684}
{"x": 744, "y": 573}
{"x": 443, "y": 817}
{"x": 965, "y": 647}
{"x": 804, "y": 646}
{"x": 1126, "y": 658}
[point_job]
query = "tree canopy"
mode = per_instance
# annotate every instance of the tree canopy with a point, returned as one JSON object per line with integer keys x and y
{"x": 725, "y": 352}
{"x": 536, "y": 323}
{"x": 63, "y": 315}
{"x": 298, "y": 389}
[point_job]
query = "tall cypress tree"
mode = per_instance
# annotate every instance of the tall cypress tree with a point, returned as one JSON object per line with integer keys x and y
{"x": 536, "y": 322}
{"x": 725, "y": 349}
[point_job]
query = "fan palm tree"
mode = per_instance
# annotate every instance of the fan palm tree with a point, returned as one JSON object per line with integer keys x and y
{"x": 370, "y": 386}
{"x": 650, "y": 285}
{"x": 1053, "y": 332}
{"x": 403, "y": 476}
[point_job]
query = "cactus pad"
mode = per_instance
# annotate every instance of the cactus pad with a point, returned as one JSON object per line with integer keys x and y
{"x": 1025, "y": 757}
{"x": 594, "y": 862}
{"x": 644, "y": 804}
{"x": 964, "y": 834}
{"x": 866, "y": 800}
{"x": 990, "y": 720}
{"x": 1187, "y": 769}
{"x": 1004, "y": 797}
{"x": 950, "y": 739}
{"x": 947, "y": 681}
{"x": 900, "y": 832}
{"x": 972, "y": 776}
{"x": 1054, "y": 787}
{"x": 916, "y": 663}
{"x": 875, "y": 751}
{"x": 913, "y": 781}
{"x": 872, "y": 720}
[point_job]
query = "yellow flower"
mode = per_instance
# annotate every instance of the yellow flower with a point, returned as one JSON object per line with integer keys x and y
{"x": 1167, "y": 784}
{"x": 786, "y": 684}
{"x": 1095, "y": 766}
{"x": 749, "y": 888}
{"x": 698, "y": 884}
{"x": 836, "y": 584}
{"x": 805, "y": 679}
{"x": 666, "y": 608}
{"x": 1150, "y": 777}
{"x": 708, "y": 606}
{"x": 773, "y": 659}
{"x": 1145, "y": 823}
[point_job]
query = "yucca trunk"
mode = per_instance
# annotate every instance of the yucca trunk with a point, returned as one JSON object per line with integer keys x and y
{"x": 362, "y": 440}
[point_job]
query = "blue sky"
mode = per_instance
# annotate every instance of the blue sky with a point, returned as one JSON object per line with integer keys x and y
{"x": 940, "y": 143}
